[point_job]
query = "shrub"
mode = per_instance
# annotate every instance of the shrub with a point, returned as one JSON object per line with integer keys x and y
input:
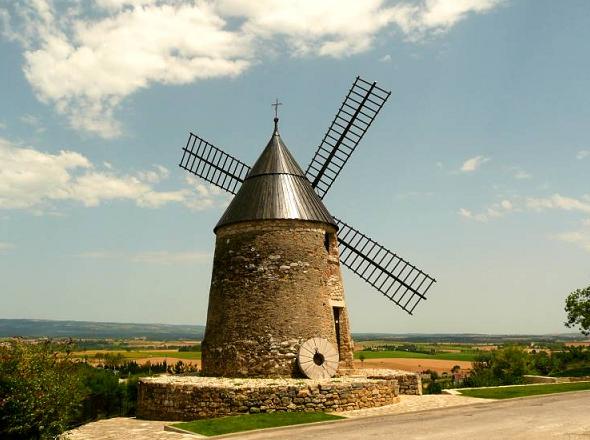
{"x": 40, "y": 391}
{"x": 506, "y": 366}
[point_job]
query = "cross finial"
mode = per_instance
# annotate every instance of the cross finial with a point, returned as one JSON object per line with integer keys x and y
{"x": 276, "y": 106}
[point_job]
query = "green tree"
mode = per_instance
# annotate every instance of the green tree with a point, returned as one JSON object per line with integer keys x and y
{"x": 577, "y": 307}
{"x": 505, "y": 366}
{"x": 40, "y": 391}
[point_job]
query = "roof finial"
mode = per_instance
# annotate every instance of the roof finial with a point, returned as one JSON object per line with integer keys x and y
{"x": 276, "y": 106}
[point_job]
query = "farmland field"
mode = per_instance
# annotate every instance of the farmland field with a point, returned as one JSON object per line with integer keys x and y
{"x": 142, "y": 354}
{"x": 468, "y": 356}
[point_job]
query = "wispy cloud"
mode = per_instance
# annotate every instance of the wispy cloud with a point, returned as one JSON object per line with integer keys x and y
{"x": 35, "y": 180}
{"x": 473, "y": 164}
{"x": 151, "y": 257}
{"x": 582, "y": 154}
{"x": 33, "y": 122}
{"x": 557, "y": 202}
{"x": 579, "y": 237}
{"x": 4, "y": 246}
{"x": 85, "y": 58}
{"x": 495, "y": 210}
{"x": 519, "y": 173}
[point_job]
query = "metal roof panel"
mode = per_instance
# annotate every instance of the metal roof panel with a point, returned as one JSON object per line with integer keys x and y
{"x": 275, "y": 188}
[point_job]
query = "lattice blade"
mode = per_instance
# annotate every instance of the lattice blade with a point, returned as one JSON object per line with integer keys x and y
{"x": 397, "y": 279}
{"x": 356, "y": 114}
{"x": 210, "y": 163}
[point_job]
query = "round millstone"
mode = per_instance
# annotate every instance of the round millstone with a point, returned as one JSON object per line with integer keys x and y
{"x": 318, "y": 359}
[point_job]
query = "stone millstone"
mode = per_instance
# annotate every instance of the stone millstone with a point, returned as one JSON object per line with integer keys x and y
{"x": 318, "y": 359}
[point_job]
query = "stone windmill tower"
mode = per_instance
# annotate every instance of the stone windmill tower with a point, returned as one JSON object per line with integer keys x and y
{"x": 276, "y": 303}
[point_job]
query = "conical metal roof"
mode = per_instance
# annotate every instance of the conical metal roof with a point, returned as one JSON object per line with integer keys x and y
{"x": 275, "y": 188}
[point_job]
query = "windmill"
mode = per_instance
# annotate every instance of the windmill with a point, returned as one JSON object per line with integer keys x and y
{"x": 266, "y": 299}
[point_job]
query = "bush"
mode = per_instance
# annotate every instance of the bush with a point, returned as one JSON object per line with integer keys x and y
{"x": 40, "y": 391}
{"x": 506, "y": 366}
{"x": 104, "y": 396}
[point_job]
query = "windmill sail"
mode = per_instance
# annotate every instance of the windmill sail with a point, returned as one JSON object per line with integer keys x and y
{"x": 356, "y": 114}
{"x": 397, "y": 279}
{"x": 212, "y": 164}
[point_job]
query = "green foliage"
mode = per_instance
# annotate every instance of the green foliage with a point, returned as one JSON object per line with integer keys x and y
{"x": 577, "y": 307}
{"x": 434, "y": 388}
{"x": 190, "y": 348}
{"x": 104, "y": 397}
{"x": 40, "y": 391}
{"x": 247, "y": 422}
{"x": 525, "y": 390}
{"x": 506, "y": 366}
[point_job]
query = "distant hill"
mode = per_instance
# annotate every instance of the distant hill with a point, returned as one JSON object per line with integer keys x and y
{"x": 116, "y": 330}
{"x": 90, "y": 329}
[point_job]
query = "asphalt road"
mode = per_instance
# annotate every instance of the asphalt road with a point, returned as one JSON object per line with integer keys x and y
{"x": 558, "y": 416}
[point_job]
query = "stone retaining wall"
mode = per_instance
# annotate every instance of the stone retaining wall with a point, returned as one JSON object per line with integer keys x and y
{"x": 190, "y": 397}
{"x": 408, "y": 382}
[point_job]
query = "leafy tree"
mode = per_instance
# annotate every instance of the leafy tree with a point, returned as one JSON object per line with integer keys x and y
{"x": 40, "y": 391}
{"x": 362, "y": 357}
{"x": 505, "y": 366}
{"x": 577, "y": 307}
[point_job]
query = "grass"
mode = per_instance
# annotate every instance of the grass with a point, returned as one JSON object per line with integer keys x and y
{"x": 464, "y": 356}
{"x": 248, "y": 422}
{"x": 522, "y": 391}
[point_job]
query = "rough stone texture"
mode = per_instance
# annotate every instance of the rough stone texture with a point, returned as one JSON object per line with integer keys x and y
{"x": 274, "y": 285}
{"x": 193, "y": 397}
{"x": 409, "y": 383}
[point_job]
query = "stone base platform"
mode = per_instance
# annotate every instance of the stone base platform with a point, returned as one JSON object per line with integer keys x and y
{"x": 196, "y": 397}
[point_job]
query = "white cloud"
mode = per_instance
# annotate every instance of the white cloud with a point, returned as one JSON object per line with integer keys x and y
{"x": 579, "y": 237}
{"x": 520, "y": 174}
{"x": 151, "y": 257}
{"x": 4, "y": 246}
{"x": 87, "y": 58}
{"x": 582, "y": 154}
{"x": 385, "y": 58}
{"x": 33, "y": 122}
{"x": 473, "y": 164}
{"x": 34, "y": 180}
{"x": 86, "y": 67}
{"x": 495, "y": 210}
{"x": 557, "y": 201}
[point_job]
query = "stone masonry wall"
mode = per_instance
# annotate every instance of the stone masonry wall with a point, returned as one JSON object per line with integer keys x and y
{"x": 408, "y": 383}
{"x": 271, "y": 290}
{"x": 162, "y": 400}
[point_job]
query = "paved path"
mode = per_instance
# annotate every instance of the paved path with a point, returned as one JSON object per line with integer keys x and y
{"x": 558, "y": 416}
{"x": 124, "y": 428}
{"x": 563, "y": 416}
{"x": 415, "y": 403}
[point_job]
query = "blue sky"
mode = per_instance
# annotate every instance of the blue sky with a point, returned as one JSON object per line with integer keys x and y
{"x": 476, "y": 170}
